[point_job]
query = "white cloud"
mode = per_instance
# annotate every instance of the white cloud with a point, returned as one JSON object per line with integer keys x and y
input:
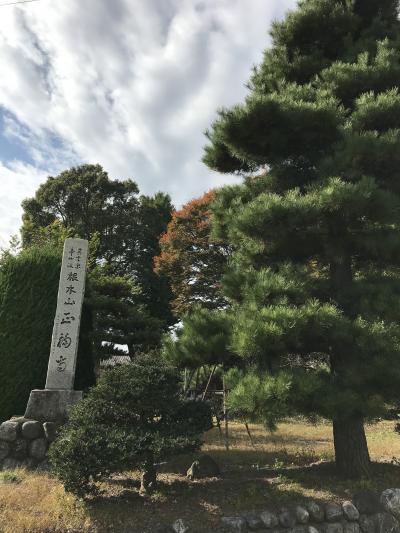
{"x": 17, "y": 182}
{"x": 126, "y": 83}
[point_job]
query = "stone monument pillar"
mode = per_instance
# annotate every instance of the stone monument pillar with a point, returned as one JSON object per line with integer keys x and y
{"x": 52, "y": 403}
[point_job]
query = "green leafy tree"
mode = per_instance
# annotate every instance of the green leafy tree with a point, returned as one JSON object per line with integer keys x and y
{"x": 126, "y": 423}
{"x": 154, "y": 215}
{"x": 123, "y": 229}
{"x": 314, "y": 282}
{"x": 84, "y": 202}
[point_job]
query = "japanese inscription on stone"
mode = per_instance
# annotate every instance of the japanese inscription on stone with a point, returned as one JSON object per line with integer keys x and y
{"x": 64, "y": 343}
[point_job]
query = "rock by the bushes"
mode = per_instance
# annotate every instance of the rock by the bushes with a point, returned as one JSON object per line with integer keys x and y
{"x": 287, "y": 518}
{"x": 38, "y": 449}
{"x": 179, "y": 526}
{"x": 50, "y": 431}
{"x": 390, "y": 499}
{"x": 334, "y": 527}
{"x": 350, "y": 511}
{"x": 205, "y": 466}
{"x": 234, "y": 523}
{"x": 20, "y": 448}
{"x": 386, "y": 523}
{"x": 254, "y": 521}
{"x": 333, "y": 512}
{"x": 32, "y": 429}
{"x": 10, "y": 463}
{"x": 351, "y": 527}
{"x": 302, "y": 515}
{"x": 4, "y": 450}
{"x": 367, "y": 523}
{"x": 367, "y": 502}
{"x": 298, "y": 529}
{"x": 44, "y": 466}
{"x": 270, "y": 520}
{"x": 29, "y": 463}
{"x": 316, "y": 511}
{"x": 8, "y": 431}
{"x": 312, "y": 529}
{"x": 19, "y": 420}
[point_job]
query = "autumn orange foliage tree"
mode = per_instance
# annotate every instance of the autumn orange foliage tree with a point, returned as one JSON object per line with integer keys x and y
{"x": 191, "y": 258}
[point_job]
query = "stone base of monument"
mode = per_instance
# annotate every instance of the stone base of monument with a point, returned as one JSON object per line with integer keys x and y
{"x": 24, "y": 440}
{"x": 51, "y": 405}
{"x": 24, "y": 443}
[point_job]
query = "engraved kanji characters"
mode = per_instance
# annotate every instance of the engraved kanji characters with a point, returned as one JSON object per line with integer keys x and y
{"x": 68, "y": 318}
{"x": 61, "y": 363}
{"x": 72, "y": 276}
{"x": 64, "y": 341}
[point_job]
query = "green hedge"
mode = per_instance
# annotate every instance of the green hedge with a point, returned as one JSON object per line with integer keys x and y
{"x": 28, "y": 298}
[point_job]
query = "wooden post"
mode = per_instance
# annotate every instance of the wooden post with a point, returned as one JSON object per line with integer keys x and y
{"x": 225, "y": 415}
{"x": 208, "y": 382}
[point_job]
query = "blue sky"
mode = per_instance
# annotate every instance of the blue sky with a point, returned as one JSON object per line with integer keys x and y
{"x": 10, "y": 147}
{"x": 131, "y": 85}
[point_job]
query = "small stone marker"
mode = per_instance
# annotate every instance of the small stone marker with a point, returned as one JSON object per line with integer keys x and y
{"x": 64, "y": 344}
{"x": 52, "y": 403}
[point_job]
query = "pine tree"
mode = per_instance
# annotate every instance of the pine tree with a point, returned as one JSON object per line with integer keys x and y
{"x": 315, "y": 279}
{"x": 120, "y": 317}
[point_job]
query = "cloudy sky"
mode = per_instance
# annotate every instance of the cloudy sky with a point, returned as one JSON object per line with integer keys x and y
{"x": 129, "y": 84}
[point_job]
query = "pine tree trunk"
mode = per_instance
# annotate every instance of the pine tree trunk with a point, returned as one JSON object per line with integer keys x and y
{"x": 351, "y": 450}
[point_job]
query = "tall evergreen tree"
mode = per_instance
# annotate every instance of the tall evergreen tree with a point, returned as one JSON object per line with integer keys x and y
{"x": 315, "y": 279}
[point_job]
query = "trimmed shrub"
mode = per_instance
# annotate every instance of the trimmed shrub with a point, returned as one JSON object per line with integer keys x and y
{"x": 134, "y": 417}
{"x": 28, "y": 299}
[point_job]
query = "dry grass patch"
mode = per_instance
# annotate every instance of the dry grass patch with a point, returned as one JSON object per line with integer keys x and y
{"x": 291, "y": 465}
{"x": 38, "y": 503}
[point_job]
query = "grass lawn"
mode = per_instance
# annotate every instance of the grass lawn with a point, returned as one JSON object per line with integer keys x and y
{"x": 291, "y": 465}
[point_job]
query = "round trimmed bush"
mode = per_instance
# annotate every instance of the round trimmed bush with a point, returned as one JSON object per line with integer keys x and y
{"x": 134, "y": 417}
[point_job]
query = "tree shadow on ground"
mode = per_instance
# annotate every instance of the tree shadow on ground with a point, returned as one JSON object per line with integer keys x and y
{"x": 201, "y": 502}
{"x": 251, "y": 459}
{"x": 204, "y": 501}
{"x": 324, "y": 476}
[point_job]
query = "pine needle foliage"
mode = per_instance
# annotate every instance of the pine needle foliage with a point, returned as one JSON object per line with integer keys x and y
{"x": 315, "y": 275}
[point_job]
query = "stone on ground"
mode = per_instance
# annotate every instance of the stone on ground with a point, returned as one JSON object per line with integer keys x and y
{"x": 350, "y": 511}
{"x": 333, "y": 512}
{"x": 390, "y": 500}
{"x": 270, "y": 520}
{"x": 179, "y": 526}
{"x": 367, "y": 502}
{"x": 38, "y": 449}
{"x": 302, "y": 515}
{"x": 234, "y": 523}
{"x": 316, "y": 511}
{"x": 205, "y": 466}
{"x": 8, "y": 431}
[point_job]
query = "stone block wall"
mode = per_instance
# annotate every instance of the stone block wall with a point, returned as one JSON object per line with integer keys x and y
{"x": 24, "y": 443}
{"x": 367, "y": 513}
